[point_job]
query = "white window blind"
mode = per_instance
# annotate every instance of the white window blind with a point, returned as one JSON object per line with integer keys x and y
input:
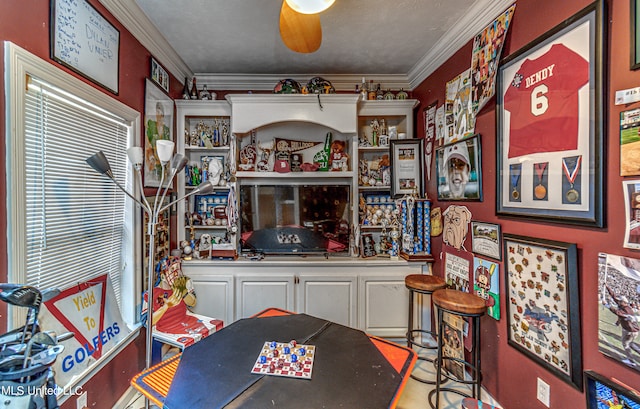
{"x": 75, "y": 217}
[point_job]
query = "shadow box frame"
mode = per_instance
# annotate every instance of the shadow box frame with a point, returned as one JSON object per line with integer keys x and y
{"x": 572, "y": 172}
{"x": 542, "y": 307}
{"x": 407, "y": 163}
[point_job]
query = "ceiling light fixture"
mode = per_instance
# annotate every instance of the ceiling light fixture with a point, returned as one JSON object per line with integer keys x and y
{"x": 310, "y": 6}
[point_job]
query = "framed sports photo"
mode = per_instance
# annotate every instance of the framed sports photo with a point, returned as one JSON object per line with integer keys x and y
{"x": 543, "y": 309}
{"x": 550, "y": 124}
{"x": 485, "y": 239}
{"x": 604, "y": 393}
{"x": 407, "y": 167}
{"x": 158, "y": 124}
{"x": 459, "y": 171}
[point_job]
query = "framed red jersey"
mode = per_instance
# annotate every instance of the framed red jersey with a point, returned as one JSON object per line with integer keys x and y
{"x": 550, "y": 124}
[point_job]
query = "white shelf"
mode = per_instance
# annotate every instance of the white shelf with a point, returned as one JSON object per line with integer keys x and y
{"x": 205, "y": 227}
{"x": 295, "y": 175}
{"x": 205, "y": 149}
{"x": 373, "y": 148}
{"x": 374, "y": 188}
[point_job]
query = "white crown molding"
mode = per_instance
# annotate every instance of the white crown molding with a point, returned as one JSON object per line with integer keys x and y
{"x": 266, "y": 82}
{"x": 479, "y": 15}
{"x": 130, "y": 15}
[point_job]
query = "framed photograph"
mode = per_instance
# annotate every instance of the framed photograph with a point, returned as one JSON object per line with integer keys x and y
{"x": 635, "y": 34}
{"x": 459, "y": 171}
{"x": 84, "y": 41}
{"x": 158, "y": 124}
{"x": 543, "y": 309}
{"x": 618, "y": 281}
{"x": 632, "y": 213}
{"x": 550, "y": 125}
{"x": 604, "y": 393}
{"x": 485, "y": 239}
{"x": 629, "y": 146}
{"x": 407, "y": 167}
{"x": 159, "y": 75}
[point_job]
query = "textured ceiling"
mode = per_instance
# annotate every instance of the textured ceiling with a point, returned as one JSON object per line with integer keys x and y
{"x": 359, "y": 36}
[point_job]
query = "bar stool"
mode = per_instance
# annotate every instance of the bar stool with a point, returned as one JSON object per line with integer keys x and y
{"x": 467, "y": 306}
{"x": 426, "y": 285}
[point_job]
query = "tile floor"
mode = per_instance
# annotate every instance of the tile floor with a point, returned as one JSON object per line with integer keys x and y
{"x": 414, "y": 396}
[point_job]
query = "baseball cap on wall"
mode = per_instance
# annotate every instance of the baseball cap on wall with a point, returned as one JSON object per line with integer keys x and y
{"x": 458, "y": 151}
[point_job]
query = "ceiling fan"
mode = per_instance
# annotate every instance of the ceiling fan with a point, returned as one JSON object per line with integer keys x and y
{"x": 300, "y": 27}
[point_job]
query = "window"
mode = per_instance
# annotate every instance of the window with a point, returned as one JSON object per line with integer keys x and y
{"x": 66, "y": 223}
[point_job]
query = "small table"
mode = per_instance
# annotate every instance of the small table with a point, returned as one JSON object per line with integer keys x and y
{"x": 351, "y": 368}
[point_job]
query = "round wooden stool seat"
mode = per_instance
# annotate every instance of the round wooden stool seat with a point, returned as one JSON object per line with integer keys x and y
{"x": 470, "y": 403}
{"x": 423, "y": 282}
{"x": 459, "y": 302}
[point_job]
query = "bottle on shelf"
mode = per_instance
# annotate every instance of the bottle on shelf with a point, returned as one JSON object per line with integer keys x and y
{"x": 389, "y": 95}
{"x": 379, "y": 94}
{"x": 363, "y": 90}
{"x": 185, "y": 91}
{"x": 402, "y": 94}
{"x": 372, "y": 91}
{"x": 194, "y": 90}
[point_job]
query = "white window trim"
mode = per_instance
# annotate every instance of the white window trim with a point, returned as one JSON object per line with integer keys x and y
{"x": 19, "y": 63}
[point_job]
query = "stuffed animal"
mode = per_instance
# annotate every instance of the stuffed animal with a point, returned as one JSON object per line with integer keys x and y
{"x": 338, "y": 158}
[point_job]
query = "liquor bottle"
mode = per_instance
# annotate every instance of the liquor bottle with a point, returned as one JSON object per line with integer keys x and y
{"x": 185, "y": 90}
{"x": 363, "y": 90}
{"x": 194, "y": 90}
{"x": 372, "y": 91}
{"x": 379, "y": 94}
{"x": 357, "y": 89}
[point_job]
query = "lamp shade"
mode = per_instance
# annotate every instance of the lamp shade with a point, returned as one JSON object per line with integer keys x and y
{"x": 98, "y": 161}
{"x": 164, "y": 149}
{"x": 204, "y": 188}
{"x": 310, "y": 6}
{"x": 178, "y": 162}
{"x": 136, "y": 156}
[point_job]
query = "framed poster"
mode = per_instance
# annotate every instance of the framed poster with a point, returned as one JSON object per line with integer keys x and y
{"x": 550, "y": 125}
{"x": 485, "y": 239}
{"x": 486, "y": 285}
{"x": 604, "y": 393}
{"x": 543, "y": 309}
{"x": 158, "y": 124}
{"x": 407, "y": 169}
{"x": 635, "y": 34}
{"x": 618, "y": 282}
{"x": 459, "y": 171}
{"x": 159, "y": 75}
{"x": 84, "y": 41}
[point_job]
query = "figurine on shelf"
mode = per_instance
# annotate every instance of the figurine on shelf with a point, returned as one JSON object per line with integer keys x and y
{"x": 338, "y": 159}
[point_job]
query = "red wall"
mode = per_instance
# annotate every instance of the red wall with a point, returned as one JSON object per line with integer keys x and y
{"x": 508, "y": 374}
{"x": 26, "y": 23}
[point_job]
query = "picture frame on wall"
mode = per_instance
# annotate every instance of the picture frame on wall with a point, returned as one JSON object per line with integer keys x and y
{"x": 632, "y": 213}
{"x": 635, "y": 34}
{"x": 486, "y": 239}
{"x": 543, "y": 309}
{"x": 159, "y": 75}
{"x": 158, "y": 124}
{"x": 601, "y": 391}
{"x": 407, "y": 167}
{"x": 459, "y": 170}
{"x": 550, "y": 156}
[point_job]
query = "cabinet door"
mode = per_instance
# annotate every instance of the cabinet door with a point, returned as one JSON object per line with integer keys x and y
{"x": 330, "y": 297}
{"x": 383, "y": 305}
{"x": 257, "y": 292}
{"x": 215, "y": 297}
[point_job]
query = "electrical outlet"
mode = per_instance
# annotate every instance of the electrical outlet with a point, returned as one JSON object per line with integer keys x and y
{"x": 543, "y": 392}
{"x": 81, "y": 401}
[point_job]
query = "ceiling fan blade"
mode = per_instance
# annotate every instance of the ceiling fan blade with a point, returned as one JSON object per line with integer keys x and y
{"x": 300, "y": 32}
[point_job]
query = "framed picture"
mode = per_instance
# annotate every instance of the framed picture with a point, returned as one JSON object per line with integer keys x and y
{"x": 550, "y": 125}
{"x": 407, "y": 167}
{"x": 159, "y": 75}
{"x": 543, "y": 310}
{"x": 604, "y": 393}
{"x": 84, "y": 41}
{"x": 635, "y": 34}
{"x": 485, "y": 239}
{"x": 158, "y": 124}
{"x": 618, "y": 280}
{"x": 632, "y": 213}
{"x": 486, "y": 284}
{"x": 459, "y": 171}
